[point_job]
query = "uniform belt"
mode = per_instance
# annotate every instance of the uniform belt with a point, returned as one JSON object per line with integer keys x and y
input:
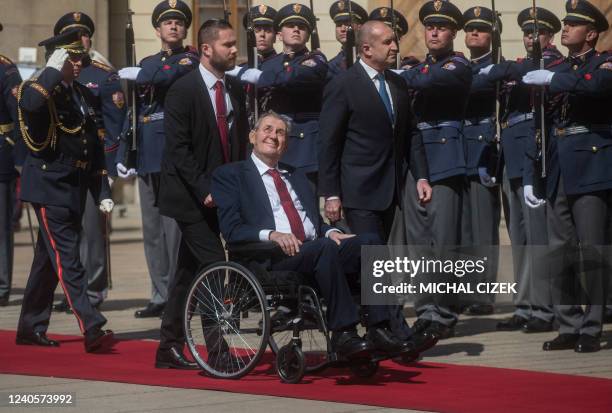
{"x": 75, "y": 163}
{"x": 433, "y": 125}
{"x": 578, "y": 129}
{"x": 6, "y": 128}
{"x": 516, "y": 119}
{"x": 476, "y": 121}
{"x": 152, "y": 117}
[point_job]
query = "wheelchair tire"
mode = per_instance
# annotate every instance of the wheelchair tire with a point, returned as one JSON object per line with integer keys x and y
{"x": 290, "y": 364}
{"x": 224, "y": 334}
{"x": 364, "y": 370}
{"x": 314, "y": 347}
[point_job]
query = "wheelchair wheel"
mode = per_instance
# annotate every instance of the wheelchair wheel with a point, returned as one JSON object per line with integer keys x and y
{"x": 290, "y": 363}
{"x": 226, "y": 322}
{"x": 314, "y": 346}
{"x": 364, "y": 370}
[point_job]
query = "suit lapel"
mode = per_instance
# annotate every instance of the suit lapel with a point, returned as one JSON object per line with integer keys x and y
{"x": 208, "y": 108}
{"x": 394, "y": 98}
{"x": 259, "y": 192}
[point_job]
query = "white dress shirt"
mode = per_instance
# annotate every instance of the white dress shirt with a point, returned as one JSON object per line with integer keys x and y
{"x": 210, "y": 80}
{"x": 372, "y": 73}
{"x": 281, "y": 222}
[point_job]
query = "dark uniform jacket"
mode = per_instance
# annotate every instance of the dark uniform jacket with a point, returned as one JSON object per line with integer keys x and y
{"x": 9, "y": 129}
{"x": 60, "y": 169}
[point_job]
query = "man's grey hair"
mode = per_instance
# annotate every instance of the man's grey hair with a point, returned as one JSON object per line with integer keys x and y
{"x": 285, "y": 119}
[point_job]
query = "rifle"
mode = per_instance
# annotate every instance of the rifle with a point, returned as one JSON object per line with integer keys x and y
{"x": 398, "y": 59}
{"x": 315, "y": 43}
{"x": 252, "y": 63}
{"x": 539, "y": 108}
{"x": 226, "y": 12}
{"x": 130, "y": 133}
{"x": 496, "y": 56}
{"x": 349, "y": 47}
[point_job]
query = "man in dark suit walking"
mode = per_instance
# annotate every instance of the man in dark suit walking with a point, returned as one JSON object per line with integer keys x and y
{"x": 205, "y": 126}
{"x": 366, "y": 139}
{"x": 262, "y": 200}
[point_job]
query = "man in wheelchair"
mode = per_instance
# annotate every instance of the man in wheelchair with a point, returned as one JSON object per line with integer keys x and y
{"x": 260, "y": 199}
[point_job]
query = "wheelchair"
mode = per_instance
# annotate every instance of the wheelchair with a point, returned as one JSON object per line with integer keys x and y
{"x": 238, "y": 308}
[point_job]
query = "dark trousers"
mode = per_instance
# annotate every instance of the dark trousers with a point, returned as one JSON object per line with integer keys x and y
{"x": 362, "y": 221}
{"x": 579, "y": 220}
{"x": 93, "y": 251}
{"x": 200, "y": 246}
{"x": 7, "y": 199}
{"x": 329, "y": 264}
{"x": 56, "y": 258}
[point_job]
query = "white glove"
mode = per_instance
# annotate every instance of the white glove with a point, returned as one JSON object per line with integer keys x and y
{"x": 485, "y": 70}
{"x": 129, "y": 73}
{"x": 251, "y": 76}
{"x": 538, "y": 77}
{"x": 106, "y": 206}
{"x": 124, "y": 172}
{"x": 398, "y": 71}
{"x": 486, "y": 179}
{"x": 57, "y": 59}
{"x": 234, "y": 72}
{"x": 530, "y": 199}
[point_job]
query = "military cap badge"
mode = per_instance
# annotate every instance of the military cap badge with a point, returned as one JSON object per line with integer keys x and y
{"x": 384, "y": 12}
{"x": 262, "y": 9}
{"x": 477, "y": 11}
{"x": 172, "y": 4}
{"x": 77, "y": 16}
{"x": 297, "y": 8}
{"x": 574, "y": 4}
{"x": 340, "y": 5}
{"x": 437, "y": 5}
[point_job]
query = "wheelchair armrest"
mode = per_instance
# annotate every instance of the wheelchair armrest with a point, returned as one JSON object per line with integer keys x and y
{"x": 257, "y": 251}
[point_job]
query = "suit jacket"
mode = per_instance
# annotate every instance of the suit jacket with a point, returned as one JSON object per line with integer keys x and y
{"x": 193, "y": 146}
{"x": 243, "y": 206}
{"x": 363, "y": 158}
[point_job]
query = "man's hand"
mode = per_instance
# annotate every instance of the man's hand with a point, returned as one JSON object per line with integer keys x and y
{"x": 486, "y": 179}
{"x": 124, "y": 172}
{"x": 288, "y": 242}
{"x": 106, "y": 206}
{"x": 531, "y": 200}
{"x": 538, "y": 77}
{"x": 333, "y": 209}
{"x": 424, "y": 191}
{"x": 129, "y": 73}
{"x": 57, "y": 59}
{"x": 208, "y": 201}
{"x": 338, "y": 236}
{"x": 485, "y": 70}
{"x": 251, "y": 76}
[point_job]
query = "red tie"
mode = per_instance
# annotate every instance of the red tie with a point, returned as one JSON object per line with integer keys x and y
{"x": 222, "y": 119}
{"x": 295, "y": 222}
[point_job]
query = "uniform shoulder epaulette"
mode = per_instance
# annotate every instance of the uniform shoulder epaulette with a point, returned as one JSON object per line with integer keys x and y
{"x": 102, "y": 66}
{"x": 460, "y": 58}
{"x": 5, "y": 60}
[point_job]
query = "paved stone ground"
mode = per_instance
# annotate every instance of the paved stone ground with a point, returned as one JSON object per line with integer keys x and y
{"x": 476, "y": 342}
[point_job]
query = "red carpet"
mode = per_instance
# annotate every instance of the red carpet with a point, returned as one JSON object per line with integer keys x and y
{"x": 423, "y": 386}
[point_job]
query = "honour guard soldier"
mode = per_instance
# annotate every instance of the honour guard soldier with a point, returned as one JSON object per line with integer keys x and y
{"x": 9, "y": 84}
{"x": 263, "y": 26}
{"x": 386, "y": 15}
{"x": 103, "y": 82}
{"x": 440, "y": 121}
{"x": 578, "y": 176}
{"x": 339, "y": 13}
{"x": 58, "y": 122}
{"x": 526, "y": 226}
{"x": 156, "y": 74}
{"x": 291, "y": 83}
{"x": 481, "y": 203}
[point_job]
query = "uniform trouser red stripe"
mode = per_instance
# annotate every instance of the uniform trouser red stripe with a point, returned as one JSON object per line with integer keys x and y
{"x": 57, "y": 259}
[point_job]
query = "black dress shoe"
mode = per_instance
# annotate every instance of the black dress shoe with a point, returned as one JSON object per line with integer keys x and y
{"x": 512, "y": 324}
{"x": 537, "y": 325}
{"x": 36, "y": 339}
{"x": 420, "y": 325}
{"x": 562, "y": 342}
{"x": 383, "y": 339}
{"x": 173, "y": 359}
{"x": 440, "y": 331}
{"x": 423, "y": 341}
{"x": 62, "y": 307}
{"x": 480, "y": 309}
{"x": 4, "y": 301}
{"x": 348, "y": 344}
{"x": 587, "y": 344}
{"x": 151, "y": 310}
{"x": 99, "y": 341}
